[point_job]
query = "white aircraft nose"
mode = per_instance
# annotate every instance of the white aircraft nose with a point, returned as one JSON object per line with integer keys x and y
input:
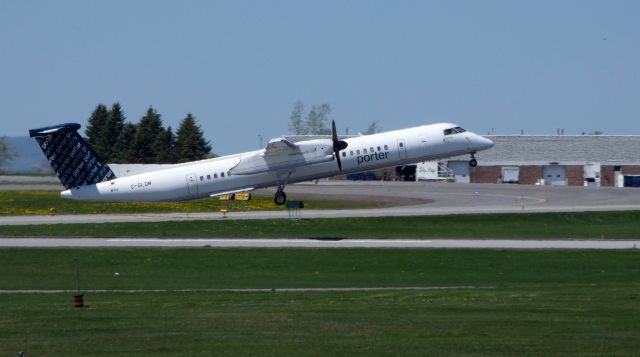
{"x": 480, "y": 142}
{"x": 486, "y": 143}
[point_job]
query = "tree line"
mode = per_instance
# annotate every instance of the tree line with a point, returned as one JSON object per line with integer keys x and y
{"x": 145, "y": 142}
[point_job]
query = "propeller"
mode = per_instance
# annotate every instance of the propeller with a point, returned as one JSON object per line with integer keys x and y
{"x": 337, "y": 144}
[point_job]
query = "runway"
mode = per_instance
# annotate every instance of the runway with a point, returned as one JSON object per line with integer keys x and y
{"x": 409, "y": 199}
{"x": 313, "y": 243}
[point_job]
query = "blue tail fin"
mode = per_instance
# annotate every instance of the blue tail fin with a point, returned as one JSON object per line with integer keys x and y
{"x": 70, "y": 156}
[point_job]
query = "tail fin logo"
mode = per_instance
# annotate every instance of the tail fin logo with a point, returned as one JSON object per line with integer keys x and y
{"x": 73, "y": 160}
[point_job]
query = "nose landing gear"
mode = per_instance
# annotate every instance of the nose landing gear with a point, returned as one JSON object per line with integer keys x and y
{"x": 473, "y": 162}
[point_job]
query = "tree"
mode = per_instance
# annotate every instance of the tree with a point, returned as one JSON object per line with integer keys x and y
{"x": 5, "y": 153}
{"x": 103, "y": 130}
{"x": 166, "y": 141}
{"x": 122, "y": 148}
{"x": 110, "y": 132}
{"x": 190, "y": 143}
{"x": 373, "y": 128}
{"x": 315, "y": 122}
{"x": 97, "y": 123}
{"x": 145, "y": 146}
{"x": 297, "y": 126}
{"x": 317, "y": 119}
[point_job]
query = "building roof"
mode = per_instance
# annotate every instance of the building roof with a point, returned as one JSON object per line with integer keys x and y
{"x": 562, "y": 149}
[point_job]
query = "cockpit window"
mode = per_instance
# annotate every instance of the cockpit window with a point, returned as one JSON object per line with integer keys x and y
{"x": 456, "y": 130}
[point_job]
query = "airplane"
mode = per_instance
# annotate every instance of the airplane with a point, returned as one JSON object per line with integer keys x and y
{"x": 283, "y": 161}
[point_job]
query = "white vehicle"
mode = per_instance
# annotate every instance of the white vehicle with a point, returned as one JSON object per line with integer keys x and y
{"x": 86, "y": 177}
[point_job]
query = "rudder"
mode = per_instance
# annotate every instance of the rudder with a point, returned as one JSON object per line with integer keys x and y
{"x": 73, "y": 160}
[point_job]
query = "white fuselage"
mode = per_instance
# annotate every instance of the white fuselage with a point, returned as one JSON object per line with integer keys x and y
{"x": 216, "y": 176}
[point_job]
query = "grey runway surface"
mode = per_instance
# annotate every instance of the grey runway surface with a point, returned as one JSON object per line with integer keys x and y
{"x": 313, "y": 243}
{"x": 411, "y": 199}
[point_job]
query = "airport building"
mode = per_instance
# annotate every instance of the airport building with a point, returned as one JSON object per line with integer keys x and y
{"x": 574, "y": 160}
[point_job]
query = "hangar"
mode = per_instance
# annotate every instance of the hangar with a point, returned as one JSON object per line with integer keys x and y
{"x": 574, "y": 160}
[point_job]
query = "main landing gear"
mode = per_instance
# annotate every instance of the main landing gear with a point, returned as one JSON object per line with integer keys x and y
{"x": 280, "y": 198}
{"x": 473, "y": 162}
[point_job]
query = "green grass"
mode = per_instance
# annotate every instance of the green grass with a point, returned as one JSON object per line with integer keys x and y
{"x": 583, "y": 225}
{"x": 543, "y": 303}
{"x": 40, "y": 202}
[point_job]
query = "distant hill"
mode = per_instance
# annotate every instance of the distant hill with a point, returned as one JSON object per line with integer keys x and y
{"x": 28, "y": 158}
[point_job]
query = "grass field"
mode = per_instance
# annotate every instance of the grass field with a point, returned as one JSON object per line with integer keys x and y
{"x": 40, "y": 202}
{"x": 537, "y": 303}
{"x": 585, "y": 225}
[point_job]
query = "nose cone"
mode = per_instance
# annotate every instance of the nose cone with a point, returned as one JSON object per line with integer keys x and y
{"x": 485, "y": 143}
{"x": 480, "y": 142}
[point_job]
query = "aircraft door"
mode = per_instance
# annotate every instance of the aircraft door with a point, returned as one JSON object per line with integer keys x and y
{"x": 192, "y": 183}
{"x": 402, "y": 149}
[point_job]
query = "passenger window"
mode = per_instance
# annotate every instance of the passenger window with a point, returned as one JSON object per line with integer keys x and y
{"x": 401, "y": 145}
{"x": 379, "y": 149}
{"x": 358, "y": 151}
{"x": 201, "y": 178}
{"x": 344, "y": 154}
{"x": 215, "y": 176}
{"x": 364, "y": 150}
{"x": 208, "y": 177}
{"x": 222, "y": 174}
{"x": 371, "y": 149}
{"x": 351, "y": 153}
{"x": 386, "y": 147}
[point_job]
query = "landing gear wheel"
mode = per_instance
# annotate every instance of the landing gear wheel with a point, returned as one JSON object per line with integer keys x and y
{"x": 280, "y": 198}
{"x": 473, "y": 162}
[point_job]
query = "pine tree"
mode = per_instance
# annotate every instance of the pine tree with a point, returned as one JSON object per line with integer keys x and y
{"x": 190, "y": 143}
{"x": 122, "y": 148}
{"x": 167, "y": 144}
{"x": 97, "y": 122}
{"x": 108, "y": 136}
{"x": 145, "y": 146}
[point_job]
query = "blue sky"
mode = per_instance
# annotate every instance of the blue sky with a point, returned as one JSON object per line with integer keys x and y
{"x": 239, "y": 66}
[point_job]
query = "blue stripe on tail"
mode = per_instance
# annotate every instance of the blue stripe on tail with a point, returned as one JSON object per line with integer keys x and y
{"x": 70, "y": 156}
